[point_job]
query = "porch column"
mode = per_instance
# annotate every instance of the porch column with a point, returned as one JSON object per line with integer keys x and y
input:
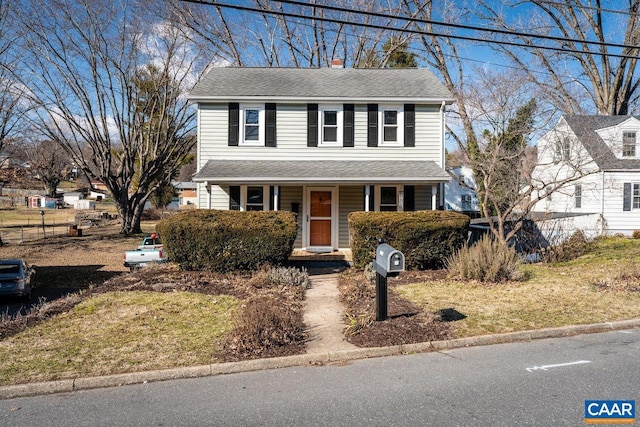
{"x": 434, "y": 197}
{"x": 367, "y": 196}
{"x": 208, "y": 186}
{"x": 276, "y": 197}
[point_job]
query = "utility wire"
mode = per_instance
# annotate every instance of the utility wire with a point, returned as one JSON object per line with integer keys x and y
{"x": 407, "y": 30}
{"x": 460, "y": 26}
{"x": 599, "y": 9}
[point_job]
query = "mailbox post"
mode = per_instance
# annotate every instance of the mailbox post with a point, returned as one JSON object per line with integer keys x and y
{"x": 389, "y": 262}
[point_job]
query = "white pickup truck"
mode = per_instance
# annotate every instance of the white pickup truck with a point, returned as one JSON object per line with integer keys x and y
{"x": 149, "y": 252}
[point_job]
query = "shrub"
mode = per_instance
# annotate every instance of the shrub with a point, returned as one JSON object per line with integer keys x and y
{"x": 486, "y": 261}
{"x": 426, "y": 238}
{"x": 572, "y": 248}
{"x": 281, "y": 277}
{"x": 265, "y": 324}
{"x": 636, "y": 234}
{"x": 225, "y": 241}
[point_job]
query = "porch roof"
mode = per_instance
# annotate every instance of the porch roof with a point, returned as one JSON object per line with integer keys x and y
{"x": 321, "y": 172}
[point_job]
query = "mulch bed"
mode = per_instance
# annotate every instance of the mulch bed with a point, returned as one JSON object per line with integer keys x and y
{"x": 406, "y": 323}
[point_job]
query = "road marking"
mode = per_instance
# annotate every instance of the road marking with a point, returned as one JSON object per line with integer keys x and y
{"x": 558, "y": 365}
{"x": 625, "y": 332}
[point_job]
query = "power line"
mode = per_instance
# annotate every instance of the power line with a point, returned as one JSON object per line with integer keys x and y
{"x": 459, "y": 26}
{"x": 407, "y": 30}
{"x": 599, "y": 9}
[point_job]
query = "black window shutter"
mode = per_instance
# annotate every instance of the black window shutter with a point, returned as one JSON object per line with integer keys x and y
{"x": 409, "y": 198}
{"x": 312, "y": 125}
{"x": 234, "y": 198}
{"x": 409, "y": 125}
{"x": 234, "y": 123}
{"x": 372, "y": 125}
{"x": 347, "y": 136}
{"x": 272, "y": 192}
{"x": 270, "y": 128}
{"x": 627, "y": 197}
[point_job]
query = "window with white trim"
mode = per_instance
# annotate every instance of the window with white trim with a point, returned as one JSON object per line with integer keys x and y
{"x": 388, "y": 198}
{"x": 391, "y": 126}
{"x": 465, "y": 202}
{"x": 330, "y": 120}
{"x": 255, "y": 198}
{"x": 636, "y": 196}
{"x": 563, "y": 149}
{"x": 628, "y": 144}
{"x": 252, "y": 121}
{"x": 577, "y": 195}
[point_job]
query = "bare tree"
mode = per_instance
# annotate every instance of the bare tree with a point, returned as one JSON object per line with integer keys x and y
{"x": 49, "y": 163}
{"x": 578, "y": 71}
{"x": 86, "y": 60}
{"x": 267, "y": 38}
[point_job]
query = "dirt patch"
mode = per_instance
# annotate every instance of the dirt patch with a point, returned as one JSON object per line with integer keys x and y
{"x": 406, "y": 324}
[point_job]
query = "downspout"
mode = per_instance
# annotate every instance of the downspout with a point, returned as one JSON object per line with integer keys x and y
{"x": 602, "y": 224}
{"x": 442, "y": 154}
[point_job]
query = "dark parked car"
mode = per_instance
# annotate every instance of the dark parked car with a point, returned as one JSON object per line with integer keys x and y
{"x": 16, "y": 278}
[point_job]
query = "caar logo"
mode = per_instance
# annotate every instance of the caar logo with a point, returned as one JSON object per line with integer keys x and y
{"x": 609, "y": 411}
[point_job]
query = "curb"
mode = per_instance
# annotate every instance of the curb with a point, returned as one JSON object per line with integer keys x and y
{"x": 71, "y": 385}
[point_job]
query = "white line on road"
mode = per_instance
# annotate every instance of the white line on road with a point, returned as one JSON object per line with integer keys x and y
{"x": 558, "y": 365}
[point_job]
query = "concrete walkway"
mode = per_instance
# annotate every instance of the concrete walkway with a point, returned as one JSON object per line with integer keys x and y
{"x": 323, "y": 314}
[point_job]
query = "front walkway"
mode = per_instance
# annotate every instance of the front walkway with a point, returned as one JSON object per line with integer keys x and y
{"x": 323, "y": 313}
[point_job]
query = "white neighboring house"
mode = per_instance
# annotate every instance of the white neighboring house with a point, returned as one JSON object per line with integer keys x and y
{"x": 605, "y": 200}
{"x": 460, "y": 193}
{"x": 71, "y": 198}
{"x": 321, "y": 142}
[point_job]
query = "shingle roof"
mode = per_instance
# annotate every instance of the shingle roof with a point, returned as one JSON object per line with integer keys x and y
{"x": 321, "y": 171}
{"x": 320, "y": 83}
{"x": 584, "y": 127}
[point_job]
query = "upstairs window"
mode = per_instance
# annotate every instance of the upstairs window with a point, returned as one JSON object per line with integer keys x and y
{"x": 330, "y": 125}
{"x": 252, "y": 125}
{"x": 563, "y": 149}
{"x": 391, "y": 129}
{"x": 629, "y": 144}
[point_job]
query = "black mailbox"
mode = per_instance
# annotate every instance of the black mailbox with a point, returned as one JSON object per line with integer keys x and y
{"x": 388, "y": 260}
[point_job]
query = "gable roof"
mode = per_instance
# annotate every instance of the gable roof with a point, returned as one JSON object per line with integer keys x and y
{"x": 585, "y": 127}
{"x": 321, "y": 84}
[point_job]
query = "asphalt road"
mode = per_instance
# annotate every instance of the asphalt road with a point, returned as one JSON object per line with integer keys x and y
{"x": 11, "y": 306}
{"x": 539, "y": 383}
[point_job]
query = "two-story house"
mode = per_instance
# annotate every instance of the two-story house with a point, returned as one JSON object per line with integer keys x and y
{"x": 602, "y": 153}
{"x": 321, "y": 143}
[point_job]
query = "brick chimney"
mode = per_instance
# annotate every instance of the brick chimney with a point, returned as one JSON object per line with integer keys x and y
{"x": 337, "y": 63}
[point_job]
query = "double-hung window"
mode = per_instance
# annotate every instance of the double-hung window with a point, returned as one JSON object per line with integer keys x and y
{"x": 391, "y": 125}
{"x": 628, "y": 144}
{"x": 252, "y": 118}
{"x": 577, "y": 194}
{"x": 330, "y": 125}
{"x": 465, "y": 202}
{"x": 563, "y": 149}
{"x": 636, "y": 196}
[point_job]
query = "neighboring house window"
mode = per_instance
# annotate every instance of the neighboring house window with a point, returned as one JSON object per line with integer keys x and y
{"x": 252, "y": 124}
{"x": 330, "y": 125}
{"x": 577, "y": 194}
{"x": 629, "y": 144}
{"x": 389, "y": 199}
{"x": 636, "y": 196}
{"x": 465, "y": 201}
{"x": 563, "y": 149}
{"x": 391, "y": 125}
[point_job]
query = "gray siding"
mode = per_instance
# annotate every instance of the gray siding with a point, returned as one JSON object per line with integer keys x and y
{"x": 423, "y": 197}
{"x": 351, "y": 199}
{"x": 290, "y": 195}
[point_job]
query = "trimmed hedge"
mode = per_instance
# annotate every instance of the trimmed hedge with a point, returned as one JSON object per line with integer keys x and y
{"x": 427, "y": 238}
{"x": 225, "y": 241}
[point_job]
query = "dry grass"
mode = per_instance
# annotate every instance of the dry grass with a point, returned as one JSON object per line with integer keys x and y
{"x": 554, "y": 294}
{"x": 120, "y": 332}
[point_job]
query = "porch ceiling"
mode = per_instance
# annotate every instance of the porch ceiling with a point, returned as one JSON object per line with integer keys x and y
{"x": 321, "y": 171}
